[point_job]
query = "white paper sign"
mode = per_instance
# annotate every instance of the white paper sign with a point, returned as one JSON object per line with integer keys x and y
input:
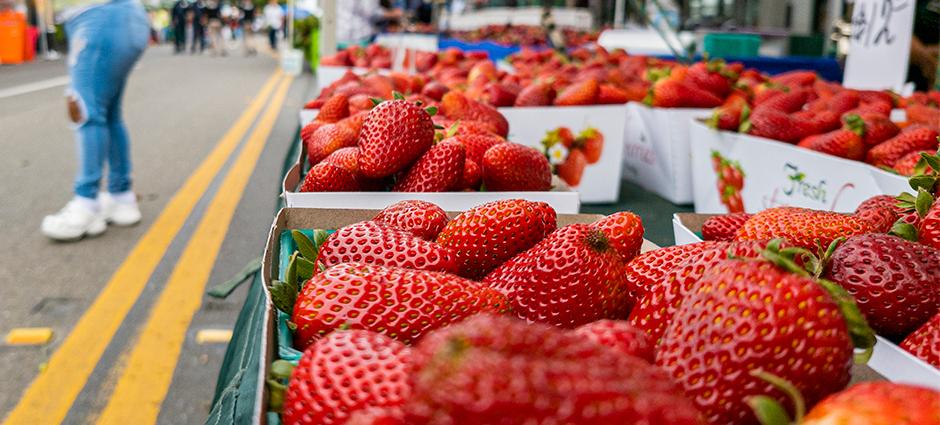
{"x": 880, "y": 44}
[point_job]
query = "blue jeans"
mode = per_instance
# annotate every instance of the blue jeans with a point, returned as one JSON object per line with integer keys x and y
{"x": 104, "y": 43}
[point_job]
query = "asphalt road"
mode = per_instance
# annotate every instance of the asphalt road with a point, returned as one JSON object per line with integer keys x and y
{"x": 178, "y": 110}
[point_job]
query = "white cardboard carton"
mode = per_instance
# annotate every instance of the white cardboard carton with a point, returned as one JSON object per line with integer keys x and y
{"x": 656, "y": 150}
{"x": 307, "y": 115}
{"x": 888, "y": 359}
{"x": 563, "y": 201}
{"x": 600, "y": 182}
{"x": 777, "y": 173}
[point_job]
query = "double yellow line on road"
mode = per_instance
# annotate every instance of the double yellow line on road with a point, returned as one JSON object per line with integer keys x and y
{"x": 144, "y": 382}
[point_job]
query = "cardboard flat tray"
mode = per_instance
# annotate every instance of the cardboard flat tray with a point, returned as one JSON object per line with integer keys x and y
{"x": 888, "y": 360}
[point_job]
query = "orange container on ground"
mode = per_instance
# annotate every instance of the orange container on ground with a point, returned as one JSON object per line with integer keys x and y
{"x": 12, "y": 37}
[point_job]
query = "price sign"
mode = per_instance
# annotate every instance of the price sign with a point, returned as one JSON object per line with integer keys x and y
{"x": 880, "y": 44}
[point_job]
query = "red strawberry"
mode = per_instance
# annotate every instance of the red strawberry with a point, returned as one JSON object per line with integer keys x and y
{"x": 671, "y": 92}
{"x": 648, "y": 268}
{"x": 895, "y": 282}
{"x": 869, "y": 96}
{"x": 591, "y": 142}
{"x": 914, "y": 138}
{"x": 326, "y": 140}
{"x": 880, "y": 201}
{"x": 457, "y": 106}
{"x": 307, "y": 130}
{"x": 572, "y": 168}
{"x": 655, "y": 310}
{"x": 477, "y": 144}
{"x": 466, "y": 127}
{"x": 907, "y": 164}
{"x": 581, "y": 93}
{"x": 609, "y": 94}
{"x": 923, "y": 115}
{"x": 472, "y": 176}
{"x": 928, "y": 233}
{"x": 347, "y": 158}
{"x": 359, "y": 103}
{"x": 382, "y": 244}
{"x": 335, "y": 109}
{"x": 877, "y": 403}
{"x": 394, "y": 134}
{"x": 423, "y": 219}
{"x": 435, "y": 90}
{"x": 496, "y": 370}
{"x": 881, "y": 108}
{"x": 486, "y": 236}
{"x": 619, "y": 335}
{"x": 802, "y": 227}
{"x": 723, "y": 227}
{"x": 844, "y": 143}
{"x": 881, "y": 220}
{"x": 788, "y": 102}
{"x": 498, "y": 95}
{"x": 786, "y": 324}
{"x": 844, "y": 101}
{"x": 353, "y": 123}
{"x": 710, "y": 76}
{"x": 315, "y": 103}
{"x": 796, "y": 78}
{"x": 816, "y": 122}
{"x": 772, "y": 124}
{"x": 878, "y": 128}
{"x": 345, "y": 372}
{"x": 326, "y": 177}
{"x": 440, "y": 169}
{"x": 570, "y": 278}
{"x": 536, "y": 94}
{"x": 624, "y": 231}
{"x": 728, "y": 116}
{"x": 924, "y": 343}
{"x": 514, "y": 167}
{"x": 356, "y": 295}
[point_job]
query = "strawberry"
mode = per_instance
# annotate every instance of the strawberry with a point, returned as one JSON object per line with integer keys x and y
{"x": 723, "y": 227}
{"x": 487, "y": 235}
{"x": 382, "y": 244}
{"x": 394, "y": 134}
{"x": 472, "y": 176}
{"x": 536, "y": 94}
{"x": 353, "y": 123}
{"x": 515, "y": 167}
{"x": 344, "y": 372}
{"x": 878, "y": 128}
{"x": 648, "y": 268}
{"x": 877, "y": 403}
{"x": 423, "y": 219}
{"x": 440, "y": 169}
{"x": 913, "y": 138}
{"x": 711, "y": 76}
{"x": 815, "y": 122}
{"x": 844, "y": 143}
{"x": 609, "y": 94}
{"x": 771, "y": 124}
{"x": 886, "y": 96}
{"x": 457, "y": 106}
{"x": 347, "y": 158}
{"x": 907, "y": 165}
{"x": 466, "y": 127}
{"x": 584, "y": 92}
{"x": 844, "y": 101}
{"x": 496, "y": 370}
{"x": 591, "y": 143}
{"x": 787, "y": 102}
{"x": 728, "y": 116}
{"x": 434, "y": 90}
{"x": 655, "y": 310}
{"x": 477, "y": 144}
{"x": 356, "y": 296}
{"x": 895, "y": 282}
{"x": 572, "y": 168}
{"x": 881, "y": 108}
{"x": 928, "y": 233}
{"x": 307, "y": 130}
{"x": 924, "y": 343}
{"x": 747, "y": 315}
{"x": 796, "y": 78}
{"x": 570, "y": 278}
{"x": 672, "y": 92}
{"x": 802, "y": 227}
{"x": 325, "y": 177}
{"x": 881, "y": 202}
{"x": 382, "y": 85}
{"x": 499, "y": 95}
{"x": 619, "y": 335}
{"x": 624, "y": 231}
{"x": 359, "y": 103}
{"x": 881, "y": 220}
{"x": 923, "y": 115}
{"x": 326, "y": 140}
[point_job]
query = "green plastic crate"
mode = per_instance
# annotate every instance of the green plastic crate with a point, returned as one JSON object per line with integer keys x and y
{"x": 722, "y": 45}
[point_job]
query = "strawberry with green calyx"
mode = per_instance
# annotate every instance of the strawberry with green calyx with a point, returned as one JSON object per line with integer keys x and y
{"x": 912, "y": 138}
{"x": 440, "y": 169}
{"x": 925, "y": 204}
{"x": 730, "y": 114}
{"x": 803, "y": 227}
{"x": 381, "y": 244}
{"x": 326, "y": 177}
{"x": 395, "y": 133}
{"x": 844, "y": 143}
{"x": 768, "y": 313}
{"x": 713, "y": 76}
{"x": 423, "y": 219}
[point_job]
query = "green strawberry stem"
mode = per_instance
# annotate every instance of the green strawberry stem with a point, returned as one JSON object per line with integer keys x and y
{"x": 855, "y": 124}
{"x": 277, "y": 383}
{"x": 771, "y": 412}
{"x": 304, "y": 245}
{"x": 904, "y": 230}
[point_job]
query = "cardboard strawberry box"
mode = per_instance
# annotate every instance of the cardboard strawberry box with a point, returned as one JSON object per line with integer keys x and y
{"x": 767, "y": 173}
{"x": 656, "y": 150}
{"x": 889, "y": 360}
{"x": 597, "y": 182}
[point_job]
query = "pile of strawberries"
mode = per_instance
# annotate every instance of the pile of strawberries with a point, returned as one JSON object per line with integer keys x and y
{"x": 500, "y": 316}
{"x": 886, "y": 255}
{"x": 799, "y": 108}
{"x": 524, "y": 35}
{"x": 360, "y": 143}
{"x": 371, "y": 56}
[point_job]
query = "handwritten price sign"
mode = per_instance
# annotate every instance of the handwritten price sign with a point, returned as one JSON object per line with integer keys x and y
{"x": 880, "y": 46}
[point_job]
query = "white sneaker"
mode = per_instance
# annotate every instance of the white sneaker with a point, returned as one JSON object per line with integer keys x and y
{"x": 120, "y": 212}
{"x": 73, "y": 222}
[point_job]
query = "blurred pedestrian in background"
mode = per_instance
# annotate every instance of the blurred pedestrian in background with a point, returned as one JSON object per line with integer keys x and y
{"x": 247, "y": 9}
{"x": 178, "y": 15}
{"x": 274, "y": 20}
{"x": 106, "y": 38}
{"x": 924, "y": 45}
{"x": 214, "y": 22}
{"x": 357, "y": 21}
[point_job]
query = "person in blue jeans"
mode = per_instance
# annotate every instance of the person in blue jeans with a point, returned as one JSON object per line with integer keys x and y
{"x": 106, "y": 38}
